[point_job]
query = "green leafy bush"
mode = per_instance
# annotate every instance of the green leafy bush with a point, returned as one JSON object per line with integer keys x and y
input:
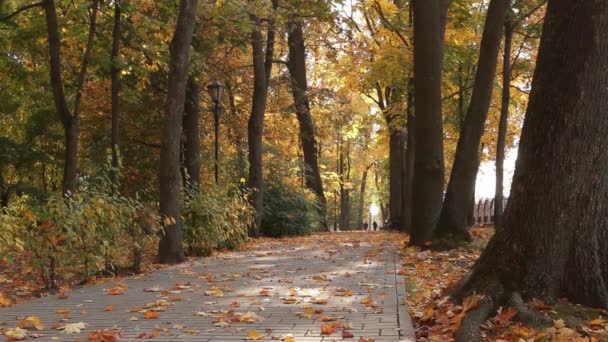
{"x": 216, "y": 219}
{"x": 89, "y": 232}
{"x": 288, "y": 213}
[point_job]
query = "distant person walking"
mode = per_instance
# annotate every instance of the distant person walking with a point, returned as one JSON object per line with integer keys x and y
{"x": 365, "y": 226}
{"x": 375, "y": 226}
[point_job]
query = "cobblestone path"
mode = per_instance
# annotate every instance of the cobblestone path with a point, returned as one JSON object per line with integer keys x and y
{"x": 344, "y": 284}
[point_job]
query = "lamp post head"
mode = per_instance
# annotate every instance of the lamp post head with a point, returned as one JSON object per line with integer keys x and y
{"x": 216, "y": 90}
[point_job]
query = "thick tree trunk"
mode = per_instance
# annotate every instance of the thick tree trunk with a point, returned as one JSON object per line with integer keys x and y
{"x": 256, "y": 126}
{"x": 170, "y": 249}
{"x": 191, "y": 134}
{"x": 410, "y": 151}
{"x": 299, "y": 89}
{"x": 502, "y": 125}
{"x": 69, "y": 120}
{"x": 395, "y": 203}
{"x": 115, "y": 76}
{"x": 453, "y": 222}
{"x": 428, "y": 168}
{"x": 553, "y": 241}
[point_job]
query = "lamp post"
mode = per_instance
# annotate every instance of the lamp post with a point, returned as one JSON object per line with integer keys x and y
{"x": 216, "y": 91}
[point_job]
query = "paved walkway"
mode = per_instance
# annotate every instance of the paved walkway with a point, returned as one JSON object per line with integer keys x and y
{"x": 342, "y": 283}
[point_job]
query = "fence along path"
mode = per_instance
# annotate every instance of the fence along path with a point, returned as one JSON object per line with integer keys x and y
{"x": 483, "y": 211}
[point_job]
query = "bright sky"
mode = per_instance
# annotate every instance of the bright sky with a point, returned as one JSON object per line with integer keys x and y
{"x": 486, "y": 178}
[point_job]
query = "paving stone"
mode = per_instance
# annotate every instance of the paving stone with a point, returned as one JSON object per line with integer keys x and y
{"x": 308, "y": 270}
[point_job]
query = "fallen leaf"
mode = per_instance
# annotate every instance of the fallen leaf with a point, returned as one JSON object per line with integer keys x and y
{"x": 73, "y": 328}
{"x": 153, "y": 289}
{"x": 109, "y": 308}
{"x": 150, "y": 315}
{"x": 505, "y": 316}
{"x": 598, "y": 321}
{"x": 117, "y": 290}
{"x": 320, "y": 300}
{"x": 62, "y": 311}
{"x": 347, "y": 334}
{"x": 328, "y": 329}
{"x": 254, "y": 335}
{"x": 30, "y": 322}
{"x": 104, "y": 335}
{"x": 15, "y": 334}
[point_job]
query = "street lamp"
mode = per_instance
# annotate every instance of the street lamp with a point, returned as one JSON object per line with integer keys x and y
{"x": 216, "y": 91}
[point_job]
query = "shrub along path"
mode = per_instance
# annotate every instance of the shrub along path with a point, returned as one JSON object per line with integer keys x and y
{"x": 325, "y": 287}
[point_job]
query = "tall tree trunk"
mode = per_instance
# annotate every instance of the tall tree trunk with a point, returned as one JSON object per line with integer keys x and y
{"x": 344, "y": 170}
{"x": 299, "y": 89}
{"x": 170, "y": 248}
{"x": 502, "y": 125}
{"x": 192, "y": 143}
{"x": 453, "y": 222}
{"x": 554, "y": 241}
{"x": 362, "y": 209}
{"x": 69, "y": 120}
{"x": 4, "y": 193}
{"x": 428, "y": 168}
{"x": 256, "y": 125}
{"x": 395, "y": 203}
{"x": 240, "y": 152}
{"x": 410, "y": 151}
{"x": 115, "y": 76}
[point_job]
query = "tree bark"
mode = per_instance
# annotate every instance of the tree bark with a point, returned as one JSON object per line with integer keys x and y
{"x": 553, "y": 242}
{"x": 69, "y": 120}
{"x": 362, "y": 196}
{"x": 256, "y": 125}
{"x": 410, "y": 151}
{"x": 344, "y": 171}
{"x": 453, "y": 222}
{"x": 428, "y": 168}
{"x": 191, "y": 133}
{"x": 170, "y": 249}
{"x": 299, "y": 89}
{"x": 502, "y": 125}
{"x": 4, "y": 193}
{"x": 115, "y": 76}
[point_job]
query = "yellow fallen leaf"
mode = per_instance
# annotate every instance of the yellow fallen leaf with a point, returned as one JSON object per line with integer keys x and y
{"x": 31, "y": 321}
{"x": 109, "y": 308}
{"x": 62, "y": 311}
{"x": 366, "y": 300}
{"x": 254, "y": 335}
{"x": 598, "y": 321}
{"x": 15, "y": 334}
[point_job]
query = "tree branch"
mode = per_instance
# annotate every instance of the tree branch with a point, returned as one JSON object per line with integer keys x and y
{"x": 22, "y": 9}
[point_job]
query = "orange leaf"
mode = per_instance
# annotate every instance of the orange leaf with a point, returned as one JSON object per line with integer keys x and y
{"x": 151, "y": 314}
{"x": 347, "y": 334}
{"x": 504, "y": 318}
{"x": 104, "y": 335}
{"x": 62, "y": 311}
{"x": 109, "y": 308}
{"x": 328, "y": 329}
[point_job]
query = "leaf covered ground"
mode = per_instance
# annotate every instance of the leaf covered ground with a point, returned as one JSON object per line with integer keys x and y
{"x": 430, "y": 274}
